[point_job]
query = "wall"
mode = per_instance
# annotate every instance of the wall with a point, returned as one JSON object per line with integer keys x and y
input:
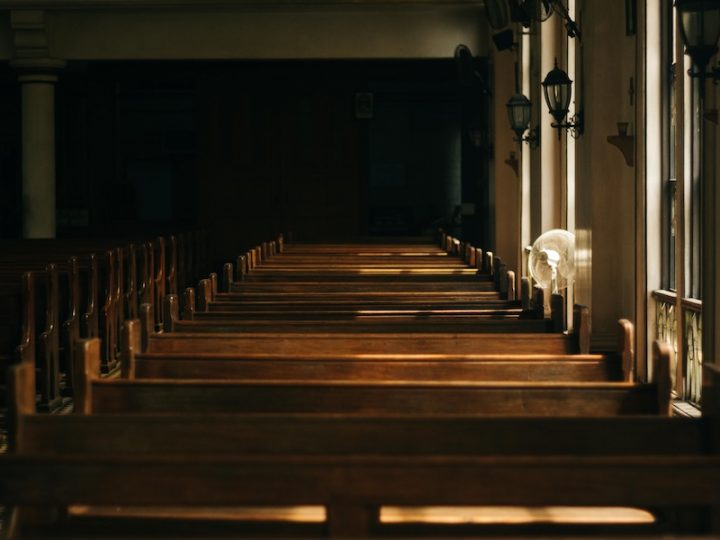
{"x": 506, "y": 179}
{"x": 245, "y": 32}
{"x": 605, "y": 202}
{"x": 250, "y": 149}
{"x": 280, "y": 149}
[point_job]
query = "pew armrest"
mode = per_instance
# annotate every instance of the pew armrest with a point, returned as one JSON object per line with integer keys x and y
{"x": 662, "y": 360}
{"x": 625, "y": 348}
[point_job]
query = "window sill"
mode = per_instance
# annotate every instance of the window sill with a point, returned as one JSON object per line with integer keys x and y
{"x": 685, "y": 409}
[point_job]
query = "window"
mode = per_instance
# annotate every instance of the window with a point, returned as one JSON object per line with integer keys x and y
{"x": 678, "y": 307}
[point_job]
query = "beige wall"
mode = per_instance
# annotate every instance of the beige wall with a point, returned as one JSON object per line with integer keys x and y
{"x": 605, "y": 205}
{"x": 507, "y": 229}
{"x": 550, "y": 193}
{"x": 282, "y": 32}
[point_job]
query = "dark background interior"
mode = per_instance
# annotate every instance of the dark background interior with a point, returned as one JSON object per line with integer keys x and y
{"x": 249, "y": 149}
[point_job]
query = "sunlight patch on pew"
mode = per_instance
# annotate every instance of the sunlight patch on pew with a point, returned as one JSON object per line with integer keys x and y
{"x": 419, "y": 271}
{"x": 449, "y": 515}
{"x": 496, "y": 313}
{"x": 410, "y": 254}
{"x": 296, "y": 514}
{"x": 514, "y": 515}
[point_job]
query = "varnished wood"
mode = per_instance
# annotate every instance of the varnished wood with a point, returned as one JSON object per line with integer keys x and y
{"x": 400, "y": 480}
{"x": 299, "y": 434}
{"x": 324, "y": 343}
{"x": 626, "y": 337}
{"x": 449, "y": 368}
{"x": 393, "y": 397}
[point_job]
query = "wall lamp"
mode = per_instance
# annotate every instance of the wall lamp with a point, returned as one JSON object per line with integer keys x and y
{"x": 700, "y": 29}
{"x": 557, "y": 88}
{"x": 519, "y": 111}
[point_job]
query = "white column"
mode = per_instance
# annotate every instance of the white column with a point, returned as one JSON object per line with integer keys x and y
{"x": 38, "y": 146}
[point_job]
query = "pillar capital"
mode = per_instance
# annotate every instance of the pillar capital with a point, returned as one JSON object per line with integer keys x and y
{"x": 37, "y": 70}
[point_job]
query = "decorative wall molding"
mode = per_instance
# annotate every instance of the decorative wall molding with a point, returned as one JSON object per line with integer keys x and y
{"x": 204, "y": 4}
{"x": 29, "y": 33}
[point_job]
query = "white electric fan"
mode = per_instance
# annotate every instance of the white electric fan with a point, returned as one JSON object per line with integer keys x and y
{"x": 552, "y": 259}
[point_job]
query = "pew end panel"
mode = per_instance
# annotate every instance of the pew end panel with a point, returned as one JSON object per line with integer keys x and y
{"x": 662, "y": 360}
{"x": 87, "y": 367}
{"x": 131, "y": 345}
{"x": 48, "y": 358}
{"x": 130, "y": 297}
{"x": 557, "y": 312}
{"x": 25, "y": 351}
{"x": 499, "y": 268}
{"x": 147, "y": 324}
{"x": 159, "y": 282}
{"x": 171, "y": 265}
{"x": 205, "y": 295}
{"x": 109, "y": 311}
{"x": 227, "y": 277}
{"x": 626, "y": 348}
{"x": 538, "y": 302}
{"x": 471, "y": 256}
{"x": 479, "y": 260}
{"x": 581, "y": 327}
{"x": 241, "y": 264}
{"x": 21, "y": 401}
{"x": 511, "y": 288}
{"x": 171, "y": 315}
{"x": 91, "y": 318}
{"x": 213, "y": 278}
{"x": 71, "y": 326}
{"x": 189, "y": 309}
{"x": 147, "y": 293}
{"x": 525, "y": 294}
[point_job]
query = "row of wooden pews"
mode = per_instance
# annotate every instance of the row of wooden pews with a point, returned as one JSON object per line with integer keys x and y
{"x": 358, "y": 378}
{"x": 55, "y": 292}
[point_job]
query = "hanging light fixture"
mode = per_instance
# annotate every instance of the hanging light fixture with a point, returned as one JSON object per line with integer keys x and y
{"x": 557, "y": 88}
{"x": 519, "y": 110}
{"x": 700, "y": 29}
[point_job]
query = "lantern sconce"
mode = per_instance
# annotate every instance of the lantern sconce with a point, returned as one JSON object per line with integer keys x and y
{"x": 519, "y": 110}
{"x": 700, "y": 29}
{"x": 557, "y": 88}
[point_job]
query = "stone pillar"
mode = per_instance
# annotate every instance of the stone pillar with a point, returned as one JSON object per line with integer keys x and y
{"x": 37, "y": 79}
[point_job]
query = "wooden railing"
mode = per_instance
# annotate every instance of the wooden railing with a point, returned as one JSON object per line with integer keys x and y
{"x": 687, "y": 345}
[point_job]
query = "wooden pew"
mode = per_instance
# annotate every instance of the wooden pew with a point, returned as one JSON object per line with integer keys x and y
{"x": 91, "y": 290}
{"x": 402, "y": 367}
{"x": 30, "y": 323}
{"x": 71, "y": 307}
{"x": 448, "y": 366}
{"x": 353, "y": 465}
{"x": 419, "y": 336}
{"x": 343, "y": 343}
{"x": 385, "y": 396}
{"x": 406, "y": 311}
